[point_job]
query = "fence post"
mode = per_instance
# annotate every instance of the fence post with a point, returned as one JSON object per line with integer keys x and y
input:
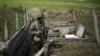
{"x": 74, "y": 16}
{"x": 17, "y": 21}
{"x": 6, "y": 30}
{"x": 96, "y": 27}
{"x": 25, "y": 19}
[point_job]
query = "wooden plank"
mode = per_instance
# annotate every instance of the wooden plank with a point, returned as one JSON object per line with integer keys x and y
{"x": 44, "y": 49}
{"x": 96, "y": 26}
{"x": 40, "y": 52}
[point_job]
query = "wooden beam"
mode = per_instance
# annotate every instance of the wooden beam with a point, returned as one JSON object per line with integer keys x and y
{"x": 96, "y": 26}
{"x": 40, "y": 52}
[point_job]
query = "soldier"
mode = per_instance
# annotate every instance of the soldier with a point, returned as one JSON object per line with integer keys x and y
{"x": 37, "y": 31}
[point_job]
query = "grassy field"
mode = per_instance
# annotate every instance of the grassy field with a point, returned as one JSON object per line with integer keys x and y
{"x": 67, "y": 4}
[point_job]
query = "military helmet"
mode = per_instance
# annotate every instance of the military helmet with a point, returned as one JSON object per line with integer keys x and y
{"x": 36, "y": 13}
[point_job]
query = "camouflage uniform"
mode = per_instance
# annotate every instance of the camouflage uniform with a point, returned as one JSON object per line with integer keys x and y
{"x": 37, "y": 31}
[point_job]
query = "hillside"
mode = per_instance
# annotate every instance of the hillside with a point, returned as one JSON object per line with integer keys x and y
{"x": 68, "y": 4}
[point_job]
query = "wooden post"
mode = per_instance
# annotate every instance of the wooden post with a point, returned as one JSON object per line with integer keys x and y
{"x": 74, "y": 16}
{"x": 6, "y": 30}
{"x": 96, "y": 27}
{"x": 25, "y": 19}
{"x": 17, "y": 21}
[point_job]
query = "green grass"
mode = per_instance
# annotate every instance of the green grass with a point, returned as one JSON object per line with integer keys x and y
{"x": 67, "y": 4}
{"x": 21, "y": 20}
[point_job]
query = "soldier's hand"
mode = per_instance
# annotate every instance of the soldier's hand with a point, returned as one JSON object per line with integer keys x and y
{"x": 36, "y": 39}
{"x": 38, "y": 32}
